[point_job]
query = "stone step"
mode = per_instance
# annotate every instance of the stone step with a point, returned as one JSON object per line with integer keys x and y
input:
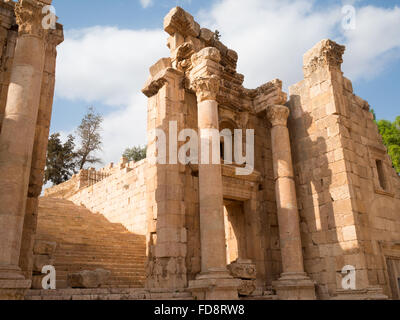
{"x": 88, "y": 241}
{"x": 104, "y": 294}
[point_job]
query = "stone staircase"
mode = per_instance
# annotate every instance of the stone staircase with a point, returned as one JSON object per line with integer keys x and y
{"x": 88, "y": 241}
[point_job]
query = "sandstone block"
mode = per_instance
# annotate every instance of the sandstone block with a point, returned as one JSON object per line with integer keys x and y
{"x": 39, "y": 261}
{"x": 42, "y": 247}
{"x": 160, "y": 65}
{"x": 247, "y": 287}
{"x": 37, "y": 282}
{"x": 89, "y": 279}
{"x": 206, "y": 35}
{"x": 243, "y": 269}
{"x": 179, "y": 21}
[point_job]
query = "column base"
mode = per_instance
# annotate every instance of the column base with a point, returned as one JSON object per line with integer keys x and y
{"x": 8, "y": 272}
{"x": 215, "y": 285}
{"x": 295, "y": 286}
{"x": 14, "y": 289}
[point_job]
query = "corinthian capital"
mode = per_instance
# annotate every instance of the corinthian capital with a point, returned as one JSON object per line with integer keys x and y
{"x": 325, "y": 53}
{"x": 206, "y": 88}
{"x": 29, "y": 17}
{"x": 278, "y": 115}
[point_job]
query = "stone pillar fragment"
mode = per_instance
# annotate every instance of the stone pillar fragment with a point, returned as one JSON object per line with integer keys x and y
{"x": 294, "y": 283}
{"x": 16, "y": 142}
{"x": 214, "y": 281}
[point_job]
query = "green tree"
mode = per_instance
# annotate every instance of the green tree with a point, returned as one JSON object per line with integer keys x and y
{"x": 89, "y": 135}
{"x": 135, "y": 154}
{"x": 390, "y": 132}
{"x": 61, "y": 159}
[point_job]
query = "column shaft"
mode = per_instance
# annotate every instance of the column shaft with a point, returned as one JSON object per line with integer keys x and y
{"x": 16, "y": 144}
{"x": 288, "y": 216}
{"x": 212, "y": 229}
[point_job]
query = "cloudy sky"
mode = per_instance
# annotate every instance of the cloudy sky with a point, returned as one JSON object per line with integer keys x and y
{"x": 109, "y": 46}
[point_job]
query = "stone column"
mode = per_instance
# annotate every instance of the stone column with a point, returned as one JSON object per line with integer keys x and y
{"x": 16, "y": 142}
{"x": 214, "y": 281}
{"x": 294, "y": 283}
{"x": 39, "y": 151}
{"x": 212, "y": 226}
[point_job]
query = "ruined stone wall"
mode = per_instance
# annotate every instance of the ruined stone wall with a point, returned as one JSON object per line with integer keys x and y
{"x": 335, "y": 147}
{"x": 68, "y": 188}
{"x": 120, "y": 198}
{"x": 375, "y": 188}
{"x": 167, "y": 239}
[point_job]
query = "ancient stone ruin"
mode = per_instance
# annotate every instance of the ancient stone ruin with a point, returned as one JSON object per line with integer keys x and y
{"x": 323, "y": 197}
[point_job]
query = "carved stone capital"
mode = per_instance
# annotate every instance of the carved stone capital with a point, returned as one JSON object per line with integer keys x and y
{"x": 278, "y": 115}
{"x": 206, "y": 88}
{"x": 29, "y": 17}
{"x": 325, "y": 53}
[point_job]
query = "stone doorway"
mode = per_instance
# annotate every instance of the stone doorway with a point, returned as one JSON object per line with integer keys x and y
{"x": 393, "y": 268}
{"x": 235, "y": 230}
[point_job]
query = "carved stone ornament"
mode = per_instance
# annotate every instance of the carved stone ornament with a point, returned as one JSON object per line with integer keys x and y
{"x": 29, "y": 17}
{"x": 206, "y": 88}
{"x": 278, "y": 115}
{"x": 325, "y": 53}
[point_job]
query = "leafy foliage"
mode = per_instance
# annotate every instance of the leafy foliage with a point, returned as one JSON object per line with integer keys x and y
{"x": 135, "y": 154}
{"x": 390, "y": 132}
{"x": 61, "y": 159}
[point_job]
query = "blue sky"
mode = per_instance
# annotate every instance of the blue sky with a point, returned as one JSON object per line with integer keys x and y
{"x": 270, "y": 37}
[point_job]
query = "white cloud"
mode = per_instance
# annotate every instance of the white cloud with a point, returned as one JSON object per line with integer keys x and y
{"x": 106, "y": 64}
{"x": 374, "y": 43}
{"x": 271, "y": 36}
{"x": 146, "y": 3}
{"x": 110, "y": 65}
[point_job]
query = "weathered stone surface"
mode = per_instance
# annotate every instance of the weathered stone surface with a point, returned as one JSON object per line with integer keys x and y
{"x": 88, "y": 279}
{"x": 42, "y": 247}
{"x": 180, "y": 21}
{"x": 37, "y": 281}
{"x": 243, "y": 269}
{"x": 247, "y": 287}
{"x": 41, "y": 260}
{"x": 207, "y": 35}
{"x": 160, "y": 65}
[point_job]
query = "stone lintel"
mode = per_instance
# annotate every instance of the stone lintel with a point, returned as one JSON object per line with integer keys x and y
{"x": 154, "y": 84}
{"x": 269, "y": 93}
{"x": 159, "y": 66}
